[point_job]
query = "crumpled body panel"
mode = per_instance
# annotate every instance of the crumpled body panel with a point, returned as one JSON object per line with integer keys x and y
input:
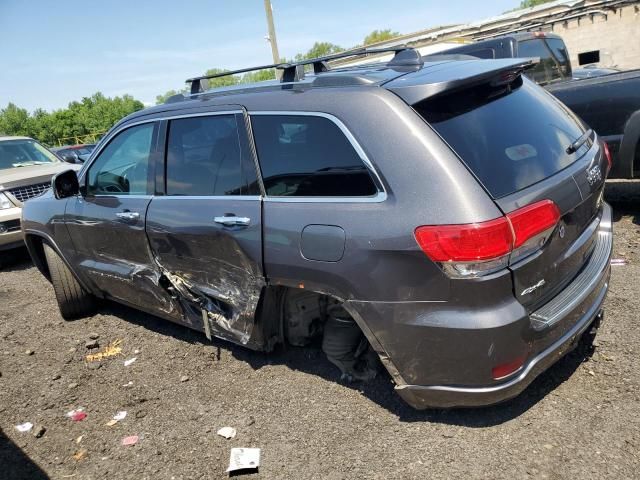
{"x": 226, "y": 311}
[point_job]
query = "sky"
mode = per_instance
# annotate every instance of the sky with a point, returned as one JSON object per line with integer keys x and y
{"x": 56, "y": 51}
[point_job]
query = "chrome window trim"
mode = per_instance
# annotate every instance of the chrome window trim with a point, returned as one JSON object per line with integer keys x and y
{"x": 208, "y": 197}
{"x": 135, "y": 196}
{"x": 381, "y": 196}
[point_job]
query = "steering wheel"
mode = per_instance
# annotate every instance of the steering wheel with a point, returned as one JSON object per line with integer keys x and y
{"x": 112, "y": 188}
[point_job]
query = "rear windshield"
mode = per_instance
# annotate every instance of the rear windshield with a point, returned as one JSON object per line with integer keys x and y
{"x": 509, "y": 138}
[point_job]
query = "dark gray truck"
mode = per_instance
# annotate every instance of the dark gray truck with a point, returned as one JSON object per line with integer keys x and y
{"x": 609, "y": 104}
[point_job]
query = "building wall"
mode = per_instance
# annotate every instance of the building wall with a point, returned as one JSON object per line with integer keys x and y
{"x": 617, "y": 37}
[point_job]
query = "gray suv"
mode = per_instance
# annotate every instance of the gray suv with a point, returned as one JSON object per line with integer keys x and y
{"x": 442, "y": 217}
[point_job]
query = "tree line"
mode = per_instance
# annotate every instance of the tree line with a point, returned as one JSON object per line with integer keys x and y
{"x": 92, "y": 115}
{"x": 97, "y": 113}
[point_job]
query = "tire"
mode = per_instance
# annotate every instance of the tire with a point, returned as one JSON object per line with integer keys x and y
{"x": 73, "y": 300}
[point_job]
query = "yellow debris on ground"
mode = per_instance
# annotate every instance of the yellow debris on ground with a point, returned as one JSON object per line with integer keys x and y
{"x": 109, "y": 351}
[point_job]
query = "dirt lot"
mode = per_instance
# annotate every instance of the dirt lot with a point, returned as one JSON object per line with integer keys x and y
{"x": 581, "y": 419}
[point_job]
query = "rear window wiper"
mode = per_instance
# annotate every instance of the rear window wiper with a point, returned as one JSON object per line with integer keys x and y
{"x": 579, "y": 142}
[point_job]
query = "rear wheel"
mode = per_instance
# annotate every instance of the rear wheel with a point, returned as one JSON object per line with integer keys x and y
{"x": 73, "y": 300}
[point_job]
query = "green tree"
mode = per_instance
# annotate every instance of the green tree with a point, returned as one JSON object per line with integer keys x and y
{"x": 225, "y": 81}
{"x": 14, "y": 121}
{"x": 379, "y": 36}
{"x": 258, "y": 76}
{"x": 91, "y": 115}
{"x": 319, "y": 49}
{"x": 160, "y": 99}
{"x": 532, "y": 3}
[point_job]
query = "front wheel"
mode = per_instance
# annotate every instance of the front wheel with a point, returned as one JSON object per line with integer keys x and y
{"x": 73, "y": 300}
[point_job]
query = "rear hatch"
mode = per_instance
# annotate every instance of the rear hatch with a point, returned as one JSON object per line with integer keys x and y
{"x": 513, "y": 137}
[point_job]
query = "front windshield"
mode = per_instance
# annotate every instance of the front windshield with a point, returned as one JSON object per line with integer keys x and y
{"x": 23, "y": 153}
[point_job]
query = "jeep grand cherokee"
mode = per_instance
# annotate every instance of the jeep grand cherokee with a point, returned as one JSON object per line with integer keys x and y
{"x": 446, "y": 216}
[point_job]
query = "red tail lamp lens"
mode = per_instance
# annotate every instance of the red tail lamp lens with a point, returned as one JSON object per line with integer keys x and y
{"x": 466, "y": 243}
{"x": 505, "y": 369}
{"x": 533, "y": 219}
{"x": 490, "y": 241}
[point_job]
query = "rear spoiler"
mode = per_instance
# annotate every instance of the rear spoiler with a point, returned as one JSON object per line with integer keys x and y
{"x": 436, "y": 79}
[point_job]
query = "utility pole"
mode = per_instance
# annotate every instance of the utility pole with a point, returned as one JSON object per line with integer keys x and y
{"x": 272, "y": 34}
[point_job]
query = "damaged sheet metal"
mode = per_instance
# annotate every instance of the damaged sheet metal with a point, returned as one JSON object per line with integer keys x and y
{"x": 134, "y": 282}
{"x": 226, "y": 314}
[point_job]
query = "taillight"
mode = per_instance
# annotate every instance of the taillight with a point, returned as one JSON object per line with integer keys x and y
{"x": 532, "y": 226}
{"x": 465, "y": 243}
{"x": 607, "y": 154}
{"x": 476, "y": 249}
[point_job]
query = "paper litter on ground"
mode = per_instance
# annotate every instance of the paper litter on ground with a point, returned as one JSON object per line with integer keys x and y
{"x": 244, "y": 458}
{"x": 227, "y": 432}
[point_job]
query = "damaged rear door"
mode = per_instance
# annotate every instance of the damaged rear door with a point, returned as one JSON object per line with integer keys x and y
{"x": 205, "y": 226}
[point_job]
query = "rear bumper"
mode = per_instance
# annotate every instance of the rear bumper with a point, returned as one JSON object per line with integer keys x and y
{"x": 10, "y": 231}
{"x": 444, "y": 359}
{"x": 436, "y": 396}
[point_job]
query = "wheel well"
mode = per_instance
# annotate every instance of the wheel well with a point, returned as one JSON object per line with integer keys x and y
{"x": 36, "y": 250}
{"x": 309, "y": 317}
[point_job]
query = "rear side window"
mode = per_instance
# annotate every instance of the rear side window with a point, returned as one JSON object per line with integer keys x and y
{"x": 545, "y": 71}
{"x": 509, "y": 139}
{"x": 204, "y": 157}
{"x": 308, "y": 156}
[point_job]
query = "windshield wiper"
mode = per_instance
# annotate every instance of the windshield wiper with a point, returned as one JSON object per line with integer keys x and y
{"x": 579, "y": 142}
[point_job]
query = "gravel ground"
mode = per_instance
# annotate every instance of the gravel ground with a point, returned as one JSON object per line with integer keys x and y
{"x": 580, "y": 419}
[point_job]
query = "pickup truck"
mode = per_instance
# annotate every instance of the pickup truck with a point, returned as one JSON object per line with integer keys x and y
{"x": 610, "y": 104}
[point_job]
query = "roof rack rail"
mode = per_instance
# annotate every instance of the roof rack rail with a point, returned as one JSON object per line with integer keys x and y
{"x": 294, "y": 71}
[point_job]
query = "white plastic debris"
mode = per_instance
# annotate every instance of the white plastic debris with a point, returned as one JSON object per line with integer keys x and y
{"x": 120, "y": 416}
{"x": 130, "y": 361}
{"x": 244, "y": 458}
{"x": 24, "y": 427}
{"x": 618, "y": 261}
{"x": 227, "y": 432}
{"x": 129, "y": 384}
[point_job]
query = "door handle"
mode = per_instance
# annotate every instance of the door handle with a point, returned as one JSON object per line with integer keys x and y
{"x": 130, "y": 216}
{"x": 232, "y": 221}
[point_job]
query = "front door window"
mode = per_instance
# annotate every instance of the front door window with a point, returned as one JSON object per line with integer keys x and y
{"x": 122, "y": 168}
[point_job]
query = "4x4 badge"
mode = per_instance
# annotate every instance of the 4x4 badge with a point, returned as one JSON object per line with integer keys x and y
{"x": 533, "y": 288}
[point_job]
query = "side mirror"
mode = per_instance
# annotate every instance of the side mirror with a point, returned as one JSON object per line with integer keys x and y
{"x": 70, "y": 158}
{"x": 65, "y": 184}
